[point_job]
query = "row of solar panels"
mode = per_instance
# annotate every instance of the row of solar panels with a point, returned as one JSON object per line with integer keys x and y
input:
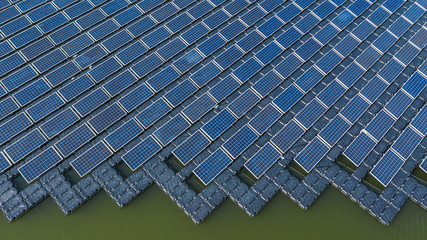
{"x": 313, "y": 153}
{"x": 70, "y": 134}
{"x": 100, "y": 152}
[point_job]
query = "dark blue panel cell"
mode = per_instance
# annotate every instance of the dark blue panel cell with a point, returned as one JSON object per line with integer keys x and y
{"x": 199, "y": 107}
{"x": 236, "y": 6}
{"x": 359, "y": 149}
{"x": 288, "y": 66}
{"x": 414, "y": 13}
{"x": 335, "y": 129}
{"x": 74, "y": 140}
{"x": 363, "y": 30}
{"x": 216, "y": 19}
{"x": 7, "y": 106}
{"x": 91, "y": 102}
{"x": 244, "y": 103}
{"x": 117, "y": 41}
{"x": 224, "y": 88}
{"x": 76, "y": 45}
{"x": 164, "y": 12}
{"x": 262, "y": 160}
{"x": 13, "y": 127}
{"x": 267, "y": 83}
{"x": 250, "y": 41}
{"x": 171, "y": 49}
{"x": 381, "y": 123}
{"x": 343, "y": 19}
{"x": 36, "y": 49}
{"x": 76, "y": 87}
{"x": 6, "y": 48}
{"x": 14, "y": 26}
{"x": 270, "y": 26}
{"x": 62, "y": 74}
{"x": 385, "y": 41}
{"x": 21, "y": 39}
{"x": 309, "y": 115}
{"x": 287, "y": 136}
{"x": 156, "y": 37}
{"x": 347, "y": 45}
{"x": 407, "y": 142}
{"x": 119, "y": 83}
{"x": 153, "y": 113}
{"x": 29, "y": 4}
{"x": 163, "y": 78}
{"x": 181, "y": 92}
{"x": 172, "y": 129}
{"x": 131, "y": 53}
{"x": 90, "y": 19}
{"x": 398, "y": 104}
{"x": 141, "y": 26}
{"x": 359, "y": 6}
{"x": 40, "y": 164}
{"x": 18, "y": 78}
{"x": 136, "y": 97}
{"x": 390, "y": 71}
{"x": 400, "y": 26}
{"x": 141, "y": 153}
{"x": 308, "y": 49}
{"x": 45, "y": 107}
{"x": 232, "y": 30}
{"x": 227, "y": 58}
{"x": 393, "y": 5}
{"x": 25, "y": 146}
{"x": 288, "y": 98}
{"x": 212, "y": 166}
{"x": 4, "y": 163}
{"x": 91, "y": 159}
{"x": 114, "y": 6}
{"x": 179, "y": 23}
{"x": 309, "y": 79}
{"x": 49, "y": 61}
{"x": 200, "y": 9}
{"x": 311, "y": 155}
{"x": 419, "y": 122}
{"x": 147, "y": 65}
{"x": 326, "y": 34}
{"x": 59, "y": 123}
{"x": 324, "y": 9}
{"x": 289, "y": 37}
{"x": 331, "y": 93}
{"x": 351, "y": 74}
{"x": 211, "y": 45}
{"x": 127, "y": 16}
{"x": 329, "y": 62}
{"x": 205, "y": 74}
{"x": 105, "y": 69}
{"x": 354, "y": 109}
{"x": 10, "y": 63}
{"x": 123, "y": 135}
{"x": 407, "y": 53}
{"x": 187, "y": 61}
{"x": 107, "y": 118}
{"x": 247, "y": 70}
{"x": 90, "y": 57}
{"x": 374, "y": 89}
{"x": 263, "y": 120}
{"x": 240, "y": 141}
{"x": 78, "y": 9}
{"x": 191, "y": 147}
{"x": 31, "y": 92}
{"x": 307, "y": 23}
{"x": 387, "y": 167}
{"x": 195, "y": 33}
{"x": 217, "y": 125}
{"x": 419, "y": 39}
{"x": 267, "y": 54}
{"x": 368, "y": 57}
{"x": 149, "y": 5}
{"x": 53, "y": 22}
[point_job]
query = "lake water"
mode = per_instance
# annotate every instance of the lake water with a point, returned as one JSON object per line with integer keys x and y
{"x": 153, "y": 215}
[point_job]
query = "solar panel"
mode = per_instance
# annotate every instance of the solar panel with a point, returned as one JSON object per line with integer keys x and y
{"x": 91, "y": 158}
{"x": 334, "y": 130}
{"x": 172, "y": 129}
{"x": 311, "y": 155}
{"x": 217, "y": 125}
{"x": 59, "y": 123}
{"x": 40, "y": 164}
{"x": 123, "y": 135}
{"x": 262, "y": 160}
{"x": 359, "y": 148}
{"x": 287, "y": 136}
{"x": 240, "y": 141}
{"x": 387, "y": 167}
{"x": 74, "y": 140}
{"x": 198, "y": 108}
{"x": 212, "y": 166}
{"x": 25, "y": 146}
{"x": 191, "y": 147}
{"x": 381, "y": 123}
{"x": 309, "y": 115}
{"x": 141, "y": 153}
{"x": 263, "y": 120}
{"x": 242, "y": 104}
{"x": 106, "y": 118}
{"x": 152, "y": 113}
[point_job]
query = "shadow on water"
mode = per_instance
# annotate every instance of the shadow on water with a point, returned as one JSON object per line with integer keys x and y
{"x": 154, "y": 216}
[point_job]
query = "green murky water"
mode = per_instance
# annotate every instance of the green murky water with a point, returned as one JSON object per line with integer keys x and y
{"x": 154, "y": 216}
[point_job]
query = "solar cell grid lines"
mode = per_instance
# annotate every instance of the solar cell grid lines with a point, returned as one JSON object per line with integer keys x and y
{"x": 223, "y": 87}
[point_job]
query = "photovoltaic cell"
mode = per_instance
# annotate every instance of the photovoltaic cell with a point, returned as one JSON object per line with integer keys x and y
{"x": 141, "y": 153}
{"x": 191, "y": 147}
{"x": 212, "y": 166}
{"x": 387, "y": 167}
{"x": 40, "y": 164}
{"x": 262, "y": 160}
{"x": 311, "y": 155}
{"x": 91, "y": 158}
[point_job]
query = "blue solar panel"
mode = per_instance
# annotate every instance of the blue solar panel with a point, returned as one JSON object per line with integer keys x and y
{"x": 119, "y": 83}
{"x": 415, "y": 85}
{"x": 152, "y": 113}
{"x": 205, "y": 74}
{"x": 263, "y": 120}
{"x": 387, "y": 167}
{"x": 309, "y": 79}
{"x": 381, "y": 123}
{"x": 19, "y": 78}
{"x": 191, "y": 147}
{"x": 398, "y": 104}
{"x": 217, "y": 125}
{"x": 123, "y": 135}
{"x": 31, "y": 92}
{"x": 136, "y": 97}
{"x": 224, "y": 88}
{"x": 419, "y": 121}
{"x": 347, "y": 45}
{"x": 334, "y": 130}
{"x": 407, "y": 142}
{"x": 374, "y": 89}
{"x": 181, "y": 92}
{"x": 311, "y": 155}
{"x": 267, "y": 54}
{"x": 331, "y": 93}
{"x": 106, "y": 118}
{"x": 244, "y": 103}
{"x": 45, "y": 107}
{"x": 163, "y": 78}
{"x": 262, "y": 160}
{"x": 74, "y": 140}
{"x": 309, "y": 115}
{"x": 391, "y": 71}
{"x": 4, "y": 163}
{"x": 25, "y": 146}
{"x": 59, "y": 123}
{"x": 288, "y": 98}
{"x": 14, "y": 126}
{"x": 90, "y": 102}
{"x": 359, "y": 148}
{"x": 328, "y": 62}
{"x": 141, "y": 153}
{"x": 172, "y": 129}
{"x": 227, "y": 58}
{"x": 40, "y": 164}
{"x": 287, "y": 136}
{"x": 91, "y": 158}
{"x": 212, "y": 167}
{"x": 240, "y": 141}
{"x": 198, "y": 108}
{"x": 267, "y": 84}
{"x": 76, "y": 87}
{"x": 7, "y": 106}
{"x": 354, "y": 109}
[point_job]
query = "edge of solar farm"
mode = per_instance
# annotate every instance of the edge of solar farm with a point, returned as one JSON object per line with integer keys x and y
{"x": 197, "y": 206}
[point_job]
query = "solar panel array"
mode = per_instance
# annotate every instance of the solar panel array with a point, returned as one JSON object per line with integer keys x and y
{"x": 220, "y": 86}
